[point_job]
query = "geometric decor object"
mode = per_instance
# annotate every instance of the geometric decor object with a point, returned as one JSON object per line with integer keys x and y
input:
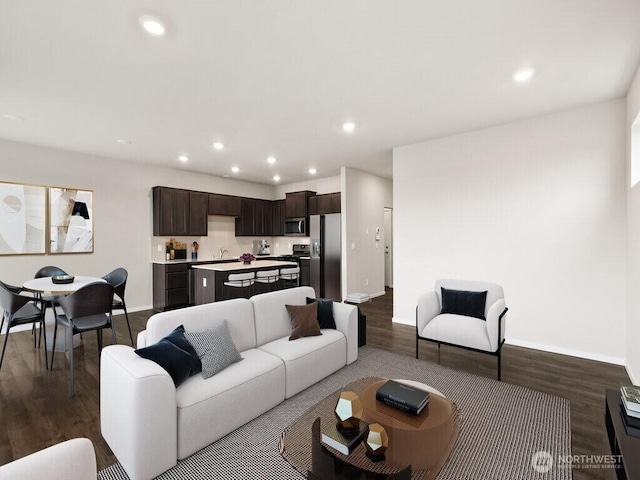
{"x": 22, "y": 218}
{"x": 376, "y": 442}
{"x": 70, "y": 220}
{"x": 348, "y": 412}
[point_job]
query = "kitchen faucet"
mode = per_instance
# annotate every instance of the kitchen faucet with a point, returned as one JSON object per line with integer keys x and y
{"x": 223, "y": 251}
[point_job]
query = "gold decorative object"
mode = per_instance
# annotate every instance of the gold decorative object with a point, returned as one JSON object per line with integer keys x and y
{"x": 348, "y": 411}
{"x": 376, "y": 442}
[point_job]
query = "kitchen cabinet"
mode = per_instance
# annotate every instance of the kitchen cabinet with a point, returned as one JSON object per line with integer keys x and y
{"x": 170, "y": 211}
{"x": 279, "y": 216}
{"x": 198, "y": 213}
{"x": 325, "y": 204}
{"x": 227, "y": 205}
{"x": 245, "y": 223}
{"x": 256, "y": 218}
{"x": 179, "y": 212}
{"x": 296, "y": 204}
{"x": 305, "y": 272}
{"x": 170, "y": 286}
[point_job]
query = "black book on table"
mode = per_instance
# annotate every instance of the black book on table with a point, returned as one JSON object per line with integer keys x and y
{"x": 345, "y": 445}
{"x": 403, "y": 397}
{"x": 630, "y": 420}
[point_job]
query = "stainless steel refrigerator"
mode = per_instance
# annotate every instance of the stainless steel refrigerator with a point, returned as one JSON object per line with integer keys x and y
{"x": 326, "y": 251}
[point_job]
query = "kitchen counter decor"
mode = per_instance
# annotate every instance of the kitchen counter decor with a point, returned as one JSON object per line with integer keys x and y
{"x": 247, "y": 258}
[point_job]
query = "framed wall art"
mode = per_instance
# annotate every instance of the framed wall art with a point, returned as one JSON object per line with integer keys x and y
{"x": 22, "y": 218}
{"x": 70, "y": 220}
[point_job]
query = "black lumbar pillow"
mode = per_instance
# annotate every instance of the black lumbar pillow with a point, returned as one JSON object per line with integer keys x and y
{"x": 325, "y": 312}
{"x": 175, "y": 354}
{"x": 463, "y": 302}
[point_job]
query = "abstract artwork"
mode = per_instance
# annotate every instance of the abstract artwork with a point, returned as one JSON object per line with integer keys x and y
{"x": 22, "y": 218}
{"x": 70, "y": 220}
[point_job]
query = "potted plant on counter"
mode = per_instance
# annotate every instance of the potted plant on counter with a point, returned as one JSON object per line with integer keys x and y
{"x": 247, "y": 258}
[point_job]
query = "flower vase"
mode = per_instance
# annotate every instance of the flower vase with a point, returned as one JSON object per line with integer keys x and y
{"x": 246, "y": 262}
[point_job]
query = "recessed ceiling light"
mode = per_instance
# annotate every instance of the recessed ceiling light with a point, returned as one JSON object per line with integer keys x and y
{"x": 235, "y": 169}
{"x": 10, "y": 116}
{"x": 183, "y": 158}
{"x": 313, "y": 171}
{"x": 218, "y": 146}
{"x": 123, "y": 141}
{"x": 523, "y": 75}
{"x": 276, "y": 178}
{"x": 271, "y": 160}
{"x": 152, "y": 25}
{"x": 348, "y": 126}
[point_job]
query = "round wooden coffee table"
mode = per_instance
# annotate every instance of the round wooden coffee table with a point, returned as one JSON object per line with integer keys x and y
{"x": 423, "y": 441}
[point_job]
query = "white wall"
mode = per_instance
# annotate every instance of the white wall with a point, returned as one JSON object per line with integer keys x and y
{"x": 537, "y": 206}
{"x": 633, "y": 260}
{"x": 123, "y": 210}
{"x": 364, "y": 197}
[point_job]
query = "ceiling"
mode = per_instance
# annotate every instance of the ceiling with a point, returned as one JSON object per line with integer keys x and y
{"x": 279, "y": 77}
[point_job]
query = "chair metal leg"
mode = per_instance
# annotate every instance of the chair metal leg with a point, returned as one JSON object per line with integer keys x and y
{"x": 53, "y": 345}
{"x": 126, "y": 315}
{"x": 6, "y": 338}
{"x": 499, "y": 363}
{"x": 70, "y": 350}
{"x": 43, "y": 331}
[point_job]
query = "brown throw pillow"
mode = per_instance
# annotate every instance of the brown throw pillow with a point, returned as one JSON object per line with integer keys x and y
{"x": 304, "y": 320}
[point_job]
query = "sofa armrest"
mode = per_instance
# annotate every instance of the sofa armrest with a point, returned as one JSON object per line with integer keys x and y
{"x": 494, "y": 322}
{"x": 141, "y": 339}
{"x": 346, "y": 317}
{"x": 138, "y": 412}
{"x": 428, "y": 308}
{"x": 71, "y": 460}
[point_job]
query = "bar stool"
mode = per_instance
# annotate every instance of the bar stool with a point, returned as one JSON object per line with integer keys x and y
{"x": 268, "y": 278}
{"x": 241, "y": 281}
{"x": 291, "y": 276}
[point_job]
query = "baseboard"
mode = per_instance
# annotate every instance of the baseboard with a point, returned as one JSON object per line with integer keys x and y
{"x": 378, "y": 294}
{"x": 404, "y": 321}
{"x": 632, "y": 377}
{"x": 566, "y": 351}
{"x": 547, "y": 348}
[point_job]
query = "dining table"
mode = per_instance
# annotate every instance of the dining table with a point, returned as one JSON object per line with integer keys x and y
{"x": 44, "y": 286}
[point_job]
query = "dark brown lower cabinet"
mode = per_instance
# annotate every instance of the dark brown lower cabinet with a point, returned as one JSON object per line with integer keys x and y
{"x": 170, "y": 286}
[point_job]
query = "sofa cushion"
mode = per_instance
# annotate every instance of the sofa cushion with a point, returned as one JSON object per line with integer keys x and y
{"x": 304, "y": 321}
{"x": 458, "y": 330}
{"x": 271, "y": 317}
{"x": 215, "y": 348}
{"x": 175, "y": 354}
{"x": 463, "y": 302}
{"x": 310, "y": 359}
{"x": 325, "y": 312}
{"x": 208, "y": 409}
{"x": 238, "y": 312}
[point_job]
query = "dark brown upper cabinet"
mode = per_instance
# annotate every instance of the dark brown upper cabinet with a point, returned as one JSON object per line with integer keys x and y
{"x": 279, "y": 216}
{"x": 228, "y": 205}
{"x": 179, "y": 212}
{"x": 296, "y": 204}
{"x": 170, "y": 211}
{"x": 324, "y": 204}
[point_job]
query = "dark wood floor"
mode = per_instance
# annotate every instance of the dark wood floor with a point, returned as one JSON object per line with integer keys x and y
{"x": 36, "y": 410}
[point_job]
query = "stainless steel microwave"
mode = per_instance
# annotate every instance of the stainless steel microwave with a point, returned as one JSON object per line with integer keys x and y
{"x": 296, "y": 227}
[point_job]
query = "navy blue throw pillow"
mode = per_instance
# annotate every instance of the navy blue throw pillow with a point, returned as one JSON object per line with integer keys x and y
{"x": 325, "y": 312}
{"x": 175, "y": 354}
{"x": 462, "y": 302}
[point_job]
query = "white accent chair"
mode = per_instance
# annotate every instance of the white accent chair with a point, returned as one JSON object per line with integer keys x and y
{"x": 291, "y": 276}
{"x": 71, "y": 460}
{"x": 476, "y": 334}
{"x": 241, "y": 281}
{"x": 268, "y": 278}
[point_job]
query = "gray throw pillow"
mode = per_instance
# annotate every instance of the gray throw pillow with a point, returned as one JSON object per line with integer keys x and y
{"x": 215, "y": 348}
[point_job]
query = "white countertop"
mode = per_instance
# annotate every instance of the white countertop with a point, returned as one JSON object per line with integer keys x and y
{"x": 225, "y": 267}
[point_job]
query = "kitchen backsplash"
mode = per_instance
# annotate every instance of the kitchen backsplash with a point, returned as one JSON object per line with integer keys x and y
{"x": 222, "y": 235}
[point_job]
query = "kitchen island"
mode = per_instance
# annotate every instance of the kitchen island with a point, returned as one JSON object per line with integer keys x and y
{"x": 210, "y": 278}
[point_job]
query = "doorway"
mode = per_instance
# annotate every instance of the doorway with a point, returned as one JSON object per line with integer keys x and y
{"x": 388, "y": 247}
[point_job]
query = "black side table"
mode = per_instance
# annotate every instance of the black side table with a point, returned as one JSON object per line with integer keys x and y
{"x": 627, "y": 446}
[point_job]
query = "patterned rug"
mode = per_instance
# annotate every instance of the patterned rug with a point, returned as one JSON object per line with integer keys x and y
{"x": 504, "y": 427}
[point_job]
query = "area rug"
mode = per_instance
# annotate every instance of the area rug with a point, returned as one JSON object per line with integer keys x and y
{"x": 504, "y": 428}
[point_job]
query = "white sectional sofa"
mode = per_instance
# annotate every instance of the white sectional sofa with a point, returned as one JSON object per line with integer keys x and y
{"x": 150, "y": 424}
